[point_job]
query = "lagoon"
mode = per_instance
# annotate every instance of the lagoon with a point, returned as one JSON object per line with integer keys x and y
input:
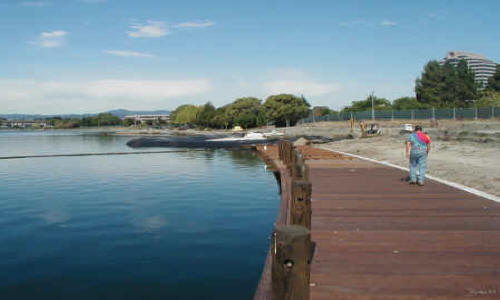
{"x": 186, "y": 225}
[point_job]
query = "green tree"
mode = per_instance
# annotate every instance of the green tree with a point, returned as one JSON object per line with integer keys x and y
{"x": 102, "y": 119}
{"x": 66, "y": 123}
{"x": 185, "y": 114}
{"x": 88, "y": 122}
{"x": 448, "y": 92}
{"x": 489, "y": 99}
{"x": 365, "y": 105}
{"x": 429, "y": 87}
{"x": 320, "y": 111}
{"x": 219, "y": 119}
{"x": 494, "y": 81}
{"x": 244, "y": 112}
{"x": 285, "y": 109}
{"x": 406, "y": 103}
{"x": 128, "y": 122}
{"x": 107, "y": 119}
{"x": 205, "y": 115}
{"x": 446, "y": 85}
{"x": 466, "y": 87}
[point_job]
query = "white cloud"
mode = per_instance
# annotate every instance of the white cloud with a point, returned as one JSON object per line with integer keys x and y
{"x": 195, "y": 24}
{"x": 388, "y": 23}
{"x": 152, "y": 29}
{"x": 126, "y": 53}
{"x": 51, "y": 39}
{"x": 353, "y": 23}
{"x": 151, "y": 89}
{"x": 33, "y": 96}
{"x": 300, "y": 87}
{"x": 35, "y": 3}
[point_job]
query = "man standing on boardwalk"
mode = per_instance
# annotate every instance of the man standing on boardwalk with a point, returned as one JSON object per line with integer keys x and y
{"x": 418, "y": 146}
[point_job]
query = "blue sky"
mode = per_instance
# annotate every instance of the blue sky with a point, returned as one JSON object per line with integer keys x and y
{"x": 77, "y": 56}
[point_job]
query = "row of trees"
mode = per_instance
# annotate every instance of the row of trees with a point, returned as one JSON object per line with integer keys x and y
{"x": 248, "y": 112}
{"x": 103, "y": 119}
{"x": 440, "y": 86}
{"x": 403, "y": 103}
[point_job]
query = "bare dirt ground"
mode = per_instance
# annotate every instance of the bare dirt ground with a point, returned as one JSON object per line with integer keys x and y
{"x": 463, "y": 152}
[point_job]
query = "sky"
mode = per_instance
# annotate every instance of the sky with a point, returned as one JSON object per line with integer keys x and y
{"x": 87, "y": 56}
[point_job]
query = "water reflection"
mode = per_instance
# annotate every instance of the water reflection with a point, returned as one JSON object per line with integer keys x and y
{"x": 149, "y": 224}
{"x": 55, "y": 217}
{"x": 247, "y": 158}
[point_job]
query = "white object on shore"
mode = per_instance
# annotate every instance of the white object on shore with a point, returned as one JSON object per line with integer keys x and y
{"x": 250, "y": 136}
{"x": 273, "y": 133}
{"x": 443, "y": 181}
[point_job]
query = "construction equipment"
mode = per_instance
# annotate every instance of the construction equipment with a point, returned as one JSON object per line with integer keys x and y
{"x": 372, "y": 129}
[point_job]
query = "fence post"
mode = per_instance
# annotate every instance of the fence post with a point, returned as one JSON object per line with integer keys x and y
{"x": 433, "y": 113}
{"x": 300, "y": 211}
{"x": 492, "y": 112}
{"x": 285, "y": 149}
{"x": 290, "y": 271}
{"x": 412, "y": 114}
{"x": 475, "y": 117}
{"x": 454, "y": 113}
{"x": 392, "y": 114}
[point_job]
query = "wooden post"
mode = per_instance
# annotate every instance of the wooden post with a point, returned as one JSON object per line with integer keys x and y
{"x": 300, "y": 212}
{"x": 281, "y": 150}
{"x": 293, "y": 156}
{"x": 285, "y": 151}
{"x": 299, "y": 169}
{"x": 296, "y": 171}
{"x": 305, "y": 172}
{"x": 291, "y": 255}
{"x": 288, "y": 153}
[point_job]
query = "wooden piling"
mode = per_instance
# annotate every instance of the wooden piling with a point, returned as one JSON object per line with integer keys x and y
{"x": 300, "y": 212}
{"x": 291, "y": 254}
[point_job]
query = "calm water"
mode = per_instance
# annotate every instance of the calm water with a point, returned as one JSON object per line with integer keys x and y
{"x": 190, "y": 225}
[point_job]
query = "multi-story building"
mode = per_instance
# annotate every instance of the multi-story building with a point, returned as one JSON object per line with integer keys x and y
{"x": 482, "y": 67}
{"x": 148, "y": 118}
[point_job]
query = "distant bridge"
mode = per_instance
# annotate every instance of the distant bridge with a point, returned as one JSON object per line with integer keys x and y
{"x": 148, "y": 118}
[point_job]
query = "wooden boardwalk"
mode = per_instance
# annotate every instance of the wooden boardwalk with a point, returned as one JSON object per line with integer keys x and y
{"x": 377, "y": 237}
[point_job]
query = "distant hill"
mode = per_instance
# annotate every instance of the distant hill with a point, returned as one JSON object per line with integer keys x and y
{"x": 116, "y": 112}
{"x": 29, "y": 117}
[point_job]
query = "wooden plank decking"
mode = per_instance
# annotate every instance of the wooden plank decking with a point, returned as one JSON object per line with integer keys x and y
{"x": 377, "y": 237}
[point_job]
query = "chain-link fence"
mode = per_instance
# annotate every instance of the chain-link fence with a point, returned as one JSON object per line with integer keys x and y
{"x": 414, "y": 114}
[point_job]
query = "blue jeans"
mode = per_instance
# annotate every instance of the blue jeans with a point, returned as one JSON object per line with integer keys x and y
{"x": 418, "y": 159}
